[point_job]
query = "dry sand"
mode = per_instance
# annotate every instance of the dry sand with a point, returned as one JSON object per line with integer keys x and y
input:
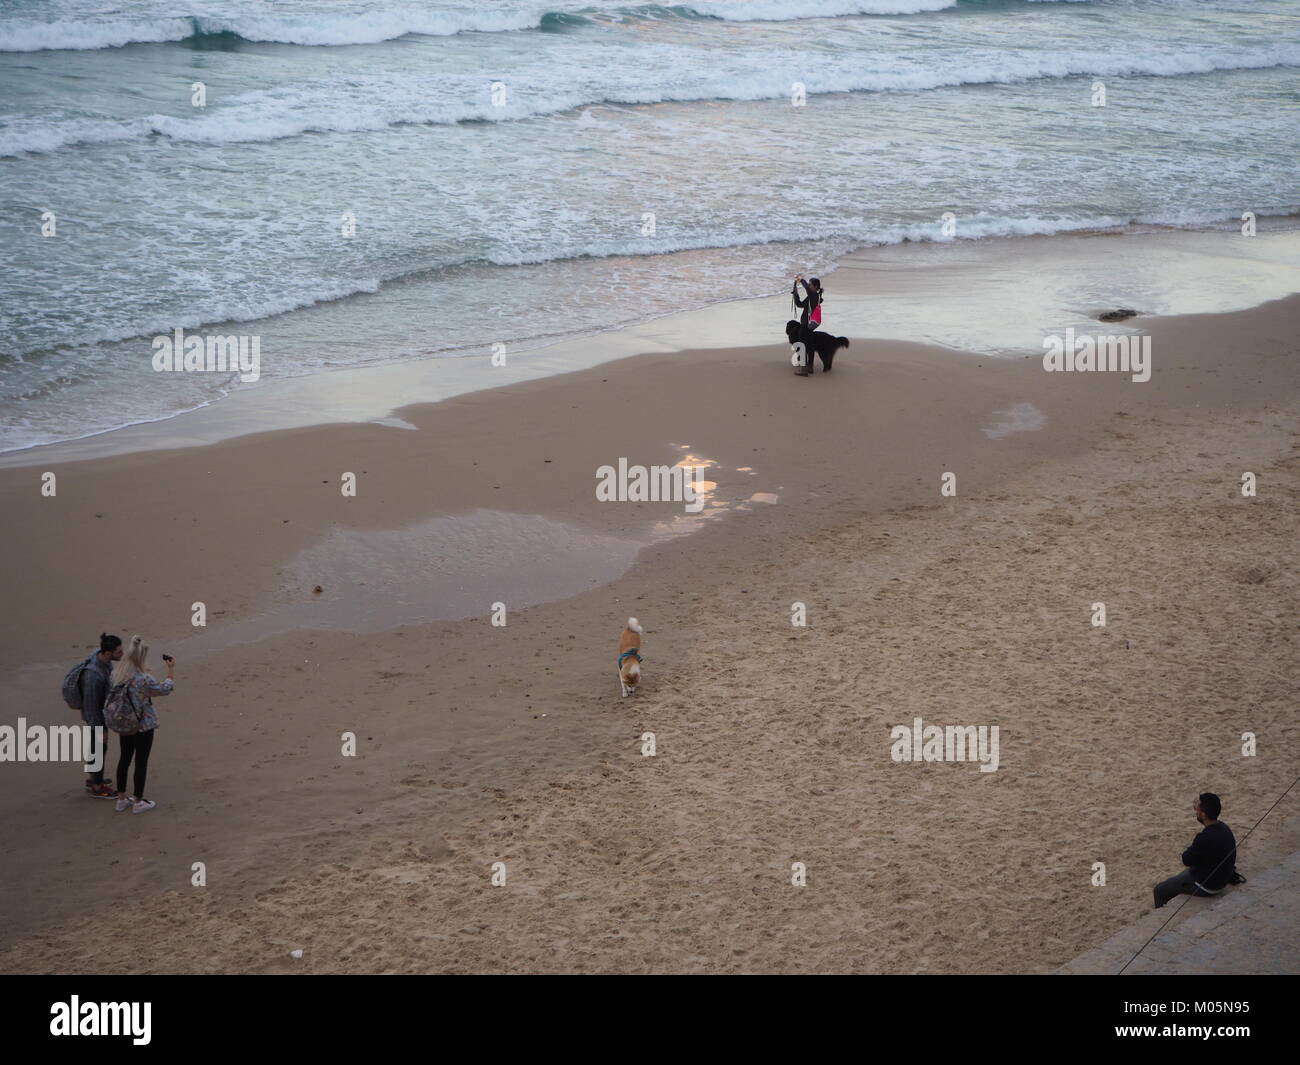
{"x": 481, "y": 744}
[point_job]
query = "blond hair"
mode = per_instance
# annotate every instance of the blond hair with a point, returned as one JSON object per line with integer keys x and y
{"x": 131, "y": 663}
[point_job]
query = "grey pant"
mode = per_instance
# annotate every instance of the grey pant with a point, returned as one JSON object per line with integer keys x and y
{"x": 95, "y": 718}
{"x": 1182, "y": 884}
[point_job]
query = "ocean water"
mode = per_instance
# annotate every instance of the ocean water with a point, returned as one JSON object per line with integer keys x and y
{"x": 502, "y": 164}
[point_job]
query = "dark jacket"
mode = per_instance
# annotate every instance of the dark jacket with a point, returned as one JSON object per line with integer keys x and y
{"x": 808, "y": 302}
{"x": 1212, "y": 856}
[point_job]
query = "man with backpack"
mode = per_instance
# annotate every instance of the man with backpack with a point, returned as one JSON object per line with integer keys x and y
{"x": 85, "y": 688}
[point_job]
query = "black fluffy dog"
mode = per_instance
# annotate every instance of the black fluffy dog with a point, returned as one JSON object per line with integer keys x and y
{"x": 823, "y": 344}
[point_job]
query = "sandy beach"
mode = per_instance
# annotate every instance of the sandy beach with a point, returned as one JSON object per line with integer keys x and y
{"x": 480, "y": 743}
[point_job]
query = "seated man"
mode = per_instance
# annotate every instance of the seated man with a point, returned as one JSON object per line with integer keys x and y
{"x": 1211, "y": 859}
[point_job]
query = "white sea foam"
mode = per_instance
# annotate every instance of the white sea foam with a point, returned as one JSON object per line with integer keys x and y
{"x": 358, "y": 104}
{"x": 31, "y": 35}
{"x": 373, "y": 25}
{"x": 254, "y": 20}
{"x": 790, "y": 10}
{"x": 229, "y": 311}
{"x": 331, "y": 27}
{"x": 317, "y": 29}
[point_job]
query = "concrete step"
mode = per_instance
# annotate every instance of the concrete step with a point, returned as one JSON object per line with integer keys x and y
{"x": 1252, "y": 928}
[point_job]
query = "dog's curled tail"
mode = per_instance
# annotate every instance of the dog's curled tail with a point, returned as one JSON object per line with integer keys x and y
{"x": 633, "y": 624}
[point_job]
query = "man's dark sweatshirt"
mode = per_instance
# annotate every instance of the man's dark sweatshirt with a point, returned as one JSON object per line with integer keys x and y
{"x": 1212, "y": 856}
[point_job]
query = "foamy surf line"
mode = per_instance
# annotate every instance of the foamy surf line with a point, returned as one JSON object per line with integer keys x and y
{"x": 317, "y": 31}
{"x": 374, "y": 27}
{"x": 974, "y": 228}
{"x": 380, "y": 102}
{"x": 898, "y": 284}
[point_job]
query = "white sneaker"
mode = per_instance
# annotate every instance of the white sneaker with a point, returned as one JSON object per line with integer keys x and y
{"x": 124, "y": 803}
{"x": 143, "y": 806}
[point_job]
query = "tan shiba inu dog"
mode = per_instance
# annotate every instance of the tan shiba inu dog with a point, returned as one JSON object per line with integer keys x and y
{"x": 629, "y": 657}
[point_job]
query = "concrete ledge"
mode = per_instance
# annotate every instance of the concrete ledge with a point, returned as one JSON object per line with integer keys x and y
{"x": 1253, "y": 928}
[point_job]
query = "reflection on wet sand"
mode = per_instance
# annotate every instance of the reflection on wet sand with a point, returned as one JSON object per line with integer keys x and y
{"x": 458, "y": 566}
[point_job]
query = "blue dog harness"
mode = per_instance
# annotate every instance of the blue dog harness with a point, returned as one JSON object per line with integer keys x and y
{"x": 631, "y": 653}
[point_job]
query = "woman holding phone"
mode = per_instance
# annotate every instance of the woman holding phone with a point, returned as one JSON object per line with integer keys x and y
{"x": 810, "y": 319}
{"x": 141, "y": 688}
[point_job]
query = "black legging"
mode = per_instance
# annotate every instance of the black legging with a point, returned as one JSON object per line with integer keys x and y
{"x": 138, "y": 745}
